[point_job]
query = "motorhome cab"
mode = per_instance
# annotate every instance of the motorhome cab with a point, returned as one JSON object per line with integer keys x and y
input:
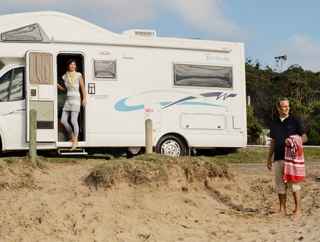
{"x": 193, "y": 90}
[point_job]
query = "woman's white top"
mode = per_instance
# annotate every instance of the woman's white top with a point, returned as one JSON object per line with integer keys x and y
{"x": 73, "y": 100}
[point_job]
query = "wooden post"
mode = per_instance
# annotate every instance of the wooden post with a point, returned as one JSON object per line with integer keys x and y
{"x": 33, "y": 136}
{"x": 248, "y": 100}
{"x": 148, "y": 138}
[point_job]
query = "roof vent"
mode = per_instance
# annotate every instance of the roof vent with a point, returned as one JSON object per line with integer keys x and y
{"x": 145, "y": 33}
{"x": 28, "y": 33}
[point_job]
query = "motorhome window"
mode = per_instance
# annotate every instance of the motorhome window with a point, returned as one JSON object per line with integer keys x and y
{"x": 4, "y": 86}
{"x": 203, "y": 76}
{"x": 16, "y": 89}
{"x": 105, "y": 69}
{"x": 11, "y": 85}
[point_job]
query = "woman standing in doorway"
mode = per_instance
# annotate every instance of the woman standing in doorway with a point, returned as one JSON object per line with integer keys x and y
{"x": 74, "y": 84}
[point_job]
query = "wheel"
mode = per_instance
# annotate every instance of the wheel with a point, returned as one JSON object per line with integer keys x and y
{"x": 133, "y": 151}
{"x": 172, "y": 145}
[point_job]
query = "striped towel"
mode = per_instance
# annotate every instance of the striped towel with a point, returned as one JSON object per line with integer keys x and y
{"x": 294, "y": 169}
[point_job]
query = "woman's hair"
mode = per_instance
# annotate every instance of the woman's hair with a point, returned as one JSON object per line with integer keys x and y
{"x": 69, "y": 62}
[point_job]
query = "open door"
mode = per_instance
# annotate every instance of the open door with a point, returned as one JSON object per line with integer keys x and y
{"x": 41, "y": 93}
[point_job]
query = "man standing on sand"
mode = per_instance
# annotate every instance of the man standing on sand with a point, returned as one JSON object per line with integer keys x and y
{"x": 281, "y": 128}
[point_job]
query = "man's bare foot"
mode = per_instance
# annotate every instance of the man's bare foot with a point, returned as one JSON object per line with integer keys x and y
{"x": 284, "y": 212}
{"x": 296, "y": 214}
{"x": 280, "y": 212}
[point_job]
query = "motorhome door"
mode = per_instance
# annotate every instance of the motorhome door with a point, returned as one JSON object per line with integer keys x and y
{"x": 41, "y": 93}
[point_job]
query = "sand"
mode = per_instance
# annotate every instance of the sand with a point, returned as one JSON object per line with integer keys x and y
{"x": 54, "y": 204}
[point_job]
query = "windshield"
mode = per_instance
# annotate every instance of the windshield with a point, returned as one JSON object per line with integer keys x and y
{"x": 1, "y": 65}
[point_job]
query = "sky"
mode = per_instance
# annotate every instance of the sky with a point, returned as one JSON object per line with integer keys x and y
{"x": 268, "y": 28}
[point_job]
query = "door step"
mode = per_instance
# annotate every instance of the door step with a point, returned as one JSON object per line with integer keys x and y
{"x": 69, "y": 152}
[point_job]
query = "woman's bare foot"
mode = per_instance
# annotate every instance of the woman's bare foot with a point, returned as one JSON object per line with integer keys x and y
{"x": 71, "y": 140}
{"x": 74, "y": 144}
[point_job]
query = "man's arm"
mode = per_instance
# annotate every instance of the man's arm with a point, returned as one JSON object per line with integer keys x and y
{"x": 270, "y": 155}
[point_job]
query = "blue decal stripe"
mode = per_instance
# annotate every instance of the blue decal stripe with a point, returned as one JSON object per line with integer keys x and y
{"x": 122, "y": 106}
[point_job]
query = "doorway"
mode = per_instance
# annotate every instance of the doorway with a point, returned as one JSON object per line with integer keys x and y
{"x": 62, "y": 60}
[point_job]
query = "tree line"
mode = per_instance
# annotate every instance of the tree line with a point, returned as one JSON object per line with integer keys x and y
{"x": 265, "y": 86}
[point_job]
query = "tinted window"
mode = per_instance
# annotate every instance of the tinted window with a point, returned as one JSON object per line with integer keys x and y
{"x": 11, "y": 85}
{"x": 202, "y": 76}
{"x": 105, "y": 69}
{"x": 1, "y": 65}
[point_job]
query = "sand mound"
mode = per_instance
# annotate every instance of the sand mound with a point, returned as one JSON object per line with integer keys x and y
{"x": 149, "y": 199}
{"x": 16, "y": 174}
{"x": 147, "y": 169}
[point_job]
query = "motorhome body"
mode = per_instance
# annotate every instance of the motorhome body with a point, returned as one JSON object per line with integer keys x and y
{"x": 193, "y": 90}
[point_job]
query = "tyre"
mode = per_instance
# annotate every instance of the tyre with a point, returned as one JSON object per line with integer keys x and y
{"x": 216, "y": 151}
{"x": 172, "y": 145}
{"x": 133, "y": 151}
{"x": 0, "y": 147}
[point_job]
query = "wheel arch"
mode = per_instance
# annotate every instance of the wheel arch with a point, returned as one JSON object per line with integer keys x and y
{"x": 1, "y": 145}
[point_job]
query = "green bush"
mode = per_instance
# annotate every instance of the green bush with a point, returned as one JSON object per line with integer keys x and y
{"x": 254, "y": 128}
{"x": 313, "y": 137}
{"x": 313, "y": 127}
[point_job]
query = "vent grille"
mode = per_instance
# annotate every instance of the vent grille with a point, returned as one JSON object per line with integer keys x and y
{"x": 145, "y": 33}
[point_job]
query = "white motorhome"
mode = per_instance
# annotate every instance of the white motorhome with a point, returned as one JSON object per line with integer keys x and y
{"x": 193, "y": 90}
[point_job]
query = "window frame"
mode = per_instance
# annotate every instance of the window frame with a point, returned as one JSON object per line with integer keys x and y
{"x": 202, "y": 64}
{"x": 12, "y": 70}
{"x": 115, "y": 78}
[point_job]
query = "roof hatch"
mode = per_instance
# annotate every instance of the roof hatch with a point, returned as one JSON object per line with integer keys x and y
{"x": 28, "y": 33}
